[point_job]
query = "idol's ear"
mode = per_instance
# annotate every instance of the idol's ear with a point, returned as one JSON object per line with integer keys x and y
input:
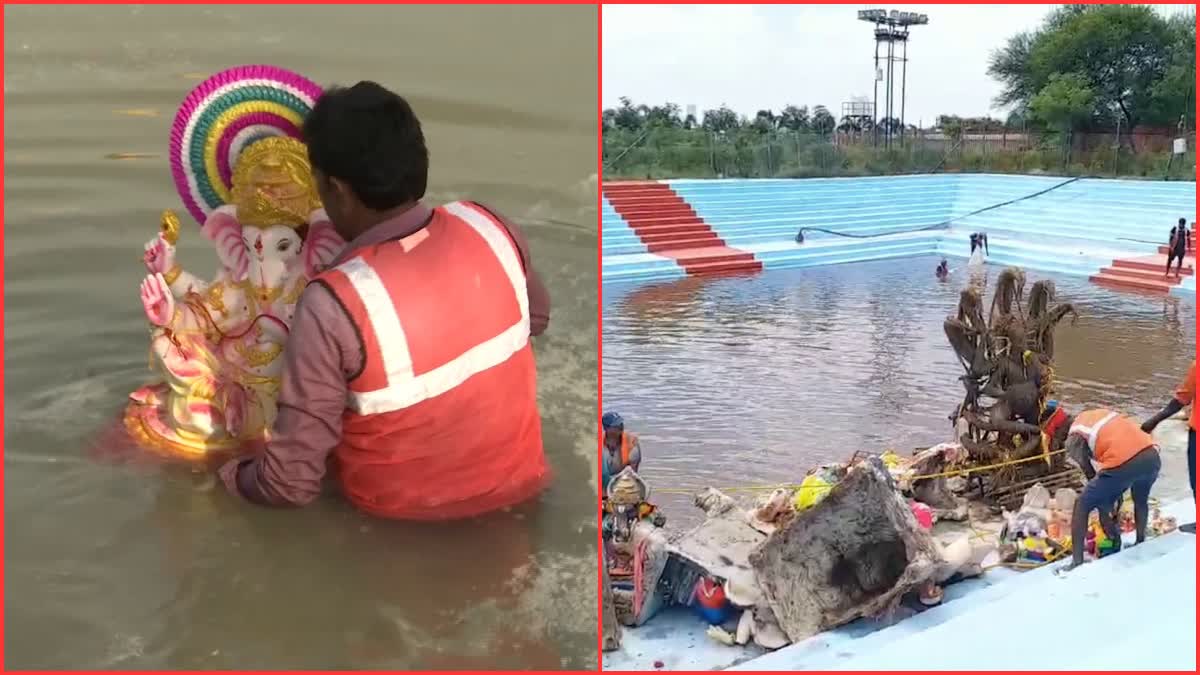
{"x": 321, "y": 244}
{"x": 225, "y": 231}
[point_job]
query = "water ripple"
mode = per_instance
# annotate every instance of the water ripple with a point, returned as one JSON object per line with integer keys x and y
{"x": 751, "y": 380}
{"x": 117, "y": 561}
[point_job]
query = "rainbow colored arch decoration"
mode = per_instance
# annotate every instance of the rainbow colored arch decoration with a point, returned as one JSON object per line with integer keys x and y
{"x": 222, "y": 116}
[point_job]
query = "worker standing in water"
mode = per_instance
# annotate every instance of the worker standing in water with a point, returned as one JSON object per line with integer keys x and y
{"x": 1128, "y": 460}
{"x": 1185, "y": 395}
{"x": 979, "y": 243}
{"x": 409, "y": 361}
{"x": 618, "y": 449}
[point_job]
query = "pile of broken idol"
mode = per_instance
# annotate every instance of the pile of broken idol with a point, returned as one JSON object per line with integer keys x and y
{"x": 852, "y": 540}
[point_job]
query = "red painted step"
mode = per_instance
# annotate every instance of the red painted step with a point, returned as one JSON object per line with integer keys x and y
{"x": 691, "y": 227}
{"x": 1133, "y": 282}
{"x": 656, "y": 219}
{"x": 658, "y": 210}
{"x": 1156, "y": 264}
{"x": 676, "y": 230}
{"x": 670, "y": 227}
{"x": 684, "y": 244}
{"x": 714, "y": 260}
{"x": 1147, "y": 273}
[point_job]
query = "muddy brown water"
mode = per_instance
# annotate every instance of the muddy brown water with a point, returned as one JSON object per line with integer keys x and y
{"x": 748, "y": 381}
{"x": 116, "y": 562}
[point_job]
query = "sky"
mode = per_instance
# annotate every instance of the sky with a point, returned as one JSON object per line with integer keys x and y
{"x": 751, "y": 57}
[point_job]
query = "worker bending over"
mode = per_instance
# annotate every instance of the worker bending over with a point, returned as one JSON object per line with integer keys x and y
{"x": 1128, "y": 460}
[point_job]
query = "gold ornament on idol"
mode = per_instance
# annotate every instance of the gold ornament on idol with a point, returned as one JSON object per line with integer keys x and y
{"x": 169, "y": 225}
{"x": 273, "y": 184}
{"x": 259, "y": 357}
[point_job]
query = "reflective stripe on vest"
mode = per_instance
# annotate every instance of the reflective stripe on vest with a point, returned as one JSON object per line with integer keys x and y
{"x": 1093, "y": 432}
{"x": 404, "y": 388}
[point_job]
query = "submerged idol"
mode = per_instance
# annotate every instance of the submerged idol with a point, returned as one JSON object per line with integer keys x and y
{"x": 244, "y": 175}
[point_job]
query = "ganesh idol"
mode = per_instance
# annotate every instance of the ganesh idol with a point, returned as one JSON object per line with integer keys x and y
{"x": 217, "y": 345}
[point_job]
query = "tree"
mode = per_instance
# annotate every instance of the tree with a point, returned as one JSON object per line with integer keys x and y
{"x": 1017, "y": 119}
{"x": 954, "y": 126}
{"x": 666, "y": 115}
{"x": 625, "y": 116}
{"x": 1010, "y": 64}
{"x": 794, "y": 118}
{"x": 854, "y": 124}
{"x": 1172, "y": 97}
{"x": 765, "y": 121}
{"x": 1136, "y": 63}
{"x": 1064, "y": 102}
{"x": 721, "y": 119}
{"x": 822, "y": 121}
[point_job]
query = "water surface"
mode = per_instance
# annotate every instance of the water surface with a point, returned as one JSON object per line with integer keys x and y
{"x": 134, "y": 564}
{"x": 752, "y": 380}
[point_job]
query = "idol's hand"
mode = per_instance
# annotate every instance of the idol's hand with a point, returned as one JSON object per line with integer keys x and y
{"x": 159, "y": 257}
{"x": 157, "y": 300}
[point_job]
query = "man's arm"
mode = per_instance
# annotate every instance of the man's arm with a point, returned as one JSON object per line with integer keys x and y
{"x": 1185, "y": 394}
{"x": 635, "y": 454}
{"x": 321, "y": 350}
{"x": 1078, "y": 450}
{"x": 539, "y": 297}
{"x": 1172, "y": 407}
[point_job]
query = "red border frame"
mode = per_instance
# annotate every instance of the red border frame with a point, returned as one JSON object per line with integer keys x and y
{"x": 302, "y": 2}
{"x": 983, "y": 657}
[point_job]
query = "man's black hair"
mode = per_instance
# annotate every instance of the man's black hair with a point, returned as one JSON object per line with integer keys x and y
{"x": 1183, "y": 222}
{"x": 369, "y": 138}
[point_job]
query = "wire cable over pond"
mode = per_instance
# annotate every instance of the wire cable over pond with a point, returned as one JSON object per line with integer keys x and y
{"x": 938, "y": 226}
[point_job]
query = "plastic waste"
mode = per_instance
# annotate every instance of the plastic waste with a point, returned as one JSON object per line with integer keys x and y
{"x": 812, "y": 490}
{"x": 923, "y": 514}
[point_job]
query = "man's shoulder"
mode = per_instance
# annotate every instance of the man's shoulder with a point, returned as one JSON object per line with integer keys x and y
{"x": 320, "y": 301}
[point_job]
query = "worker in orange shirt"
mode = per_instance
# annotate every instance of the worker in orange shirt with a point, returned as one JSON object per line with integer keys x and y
{"x": 1185, "y": 395}
{"x": 619, "y": 449}
{"x": 1128, "y": 460}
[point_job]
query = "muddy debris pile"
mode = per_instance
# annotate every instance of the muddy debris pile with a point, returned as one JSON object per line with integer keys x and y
{"x": 844, "y": 544}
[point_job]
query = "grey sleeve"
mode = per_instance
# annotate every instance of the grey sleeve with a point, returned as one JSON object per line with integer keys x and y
{"x": 1079, "y": 452}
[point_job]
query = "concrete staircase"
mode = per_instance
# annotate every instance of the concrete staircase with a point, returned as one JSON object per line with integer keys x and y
{"x": 1146, "y": 273}
{"x": 668, "y": 226}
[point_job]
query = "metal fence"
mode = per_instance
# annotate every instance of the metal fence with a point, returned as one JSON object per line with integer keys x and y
{"x": 750, "y": 153}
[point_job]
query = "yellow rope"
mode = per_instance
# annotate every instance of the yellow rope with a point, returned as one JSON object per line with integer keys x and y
{"x": 943, "y": 474}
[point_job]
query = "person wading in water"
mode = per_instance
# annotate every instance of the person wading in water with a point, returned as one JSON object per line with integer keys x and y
{"x": 979, "y": 241}
{"x": 619, "y": 449}
{"x": 409, "y": 361}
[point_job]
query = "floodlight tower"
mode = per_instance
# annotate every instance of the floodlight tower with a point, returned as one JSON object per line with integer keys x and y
{"x": 891, "y": 27}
